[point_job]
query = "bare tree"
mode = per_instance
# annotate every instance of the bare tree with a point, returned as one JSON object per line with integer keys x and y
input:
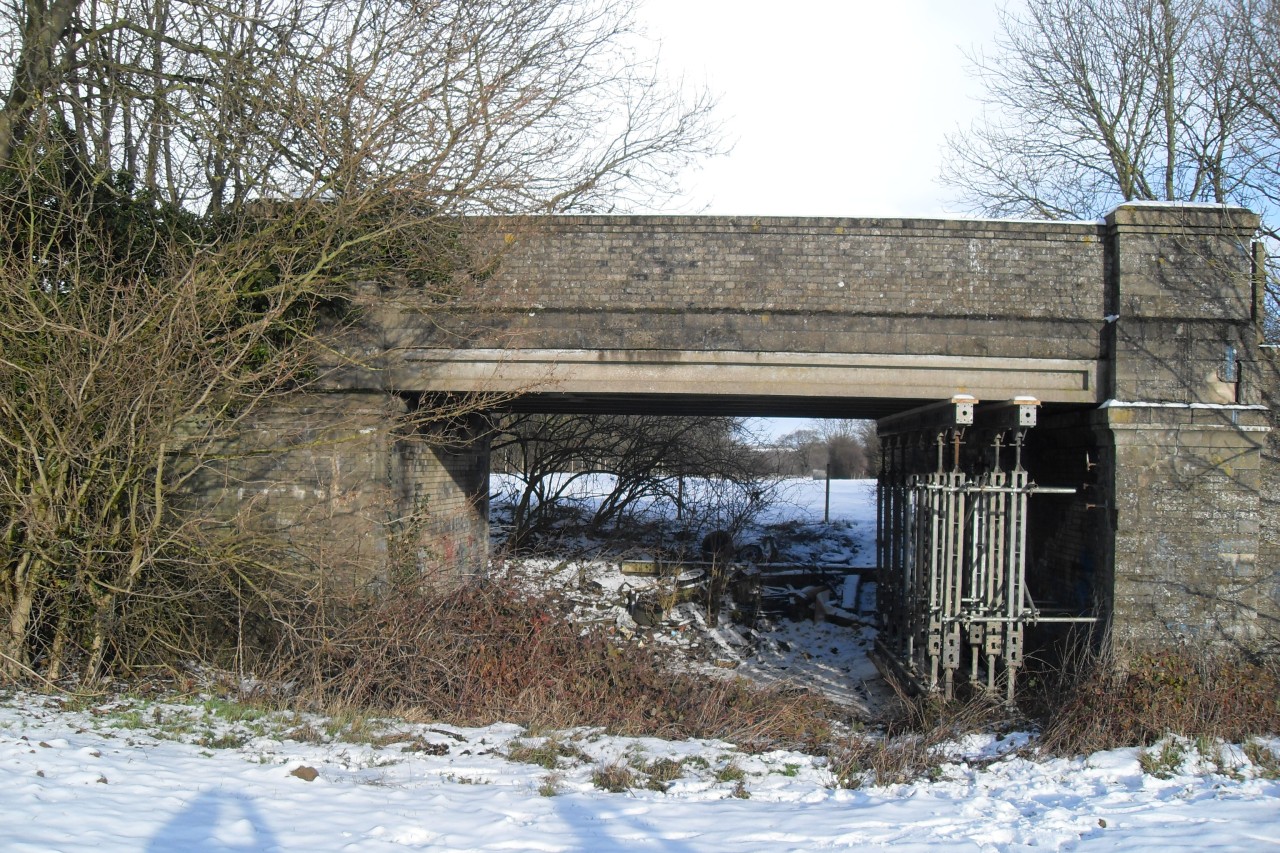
{"x": 647, "y": 457}
{"x": 184, "y": 188}
{"x": 124, "y": 356}
{"x": 1093, "y": 102}
{"x": 463, "y": 105}
{"x": 1258, "y": 23}
{"x": 841, "y": 447}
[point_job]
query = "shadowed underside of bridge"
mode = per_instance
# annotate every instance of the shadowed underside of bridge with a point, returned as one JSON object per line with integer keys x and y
{"x": 1138, "y": 336}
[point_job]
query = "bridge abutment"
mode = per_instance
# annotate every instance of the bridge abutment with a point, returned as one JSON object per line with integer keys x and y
{"x": 353, "y": 486}
{"x": 1180, "y": 436}
{"x": 1184, "y": 524}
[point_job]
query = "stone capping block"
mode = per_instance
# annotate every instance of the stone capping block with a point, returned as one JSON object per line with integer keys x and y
{"x": 1237, "y": 419}
{"x": 1175, "y": 217}
{"x": 695, "y": 224}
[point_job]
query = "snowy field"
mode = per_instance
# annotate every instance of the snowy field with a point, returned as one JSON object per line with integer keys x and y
{"x": 138, "y": 775}
{"x": 101, "y": 779}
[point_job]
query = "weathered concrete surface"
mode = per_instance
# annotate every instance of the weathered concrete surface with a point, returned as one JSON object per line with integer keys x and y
{"x": 881, "y": 380}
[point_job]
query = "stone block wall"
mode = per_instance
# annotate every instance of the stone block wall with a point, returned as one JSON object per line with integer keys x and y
{"x": 1268, "y": 580}
{"x": 1182, "y": 289}
{"x": 1182, "y": 434}
{"x": 769, "y": 285}
{"x": 314, "y": 472}
{"x": 343, "y": 483}
{"x": 1186, "y": 524}
{"x": 443, "y": 496}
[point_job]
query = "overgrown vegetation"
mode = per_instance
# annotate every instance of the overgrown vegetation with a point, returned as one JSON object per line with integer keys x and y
{"x": 1176, "y": 704}
{"x": 132, "y": 336}
{"x": 576, "y": 687}
{"x": 1194, "y": 693}
{"x": 483, "y": 653}
{"x": 912, "y": 735}
{"x": 184, "y": 188}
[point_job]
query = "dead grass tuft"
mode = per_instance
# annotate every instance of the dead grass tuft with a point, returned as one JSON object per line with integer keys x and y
{"x": 615, "y": 778}
{"x": 479, "y": 654}
{"x": 910, "y": 746}
{"x": 1264, "y": 758}
{"x": 1196, "y": 694}
{"x": 546, "y": 754}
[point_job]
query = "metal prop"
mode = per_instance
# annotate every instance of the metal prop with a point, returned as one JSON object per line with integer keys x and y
{"x": 952, "y": 542}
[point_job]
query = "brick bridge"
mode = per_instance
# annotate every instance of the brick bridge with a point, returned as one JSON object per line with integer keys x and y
{"x": 1138, "y": 334}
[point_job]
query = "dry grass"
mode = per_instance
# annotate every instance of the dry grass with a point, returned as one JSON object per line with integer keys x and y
{"x": 615, "y": 778}
{"x": 480, "y": 654}
{"x": 1263, "y": 757}
{"x": 913, "y": 730}
{"x": 1184, "y": 691}
{"x": 546, "y": 754}
{"x": 661, "y": 773}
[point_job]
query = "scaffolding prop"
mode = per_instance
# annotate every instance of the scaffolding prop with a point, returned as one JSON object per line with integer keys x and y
{"x": 952, "y": 544}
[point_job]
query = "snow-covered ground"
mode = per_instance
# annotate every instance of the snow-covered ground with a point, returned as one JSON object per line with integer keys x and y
{"x": 807, "y": 653}
{"x": 134, "y": 774}
{"x": 102, "y": 779}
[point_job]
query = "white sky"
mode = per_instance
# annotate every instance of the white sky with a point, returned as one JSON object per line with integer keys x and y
{"x": 836, "y": 107}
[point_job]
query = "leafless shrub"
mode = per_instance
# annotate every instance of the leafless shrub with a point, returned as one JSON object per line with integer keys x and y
{"x": 480, "y": 654}
{"x": 698, "y": 465}
{"x": 184, "y": 189}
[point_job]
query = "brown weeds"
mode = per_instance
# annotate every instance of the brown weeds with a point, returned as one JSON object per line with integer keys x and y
{"x": 1195, "y": 693}
{"x": 482, "y": 654}
{"x": 915, "y": 728}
